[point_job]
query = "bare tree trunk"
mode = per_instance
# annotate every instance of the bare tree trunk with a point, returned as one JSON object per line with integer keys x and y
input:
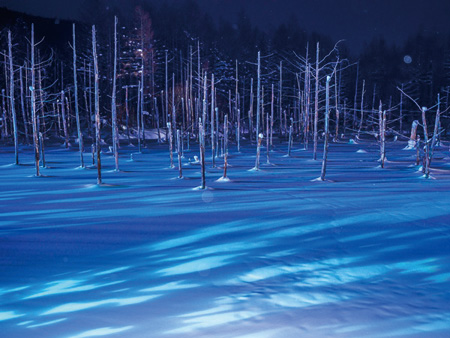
{"x": 64, "y": 118}
{"x": 202, "y": 153}
{"x": 436, "y": 129}
{"x": 418, "y": 150}
{"x": 267, "y": 138}
{"x": 426, "y": 168}
{"x": 77, "y": 112}
{"x": 155, "y": 101}
{"x": 97, "y": 108}
{"x": 115, "y": 138}
{"x": 271, "y": 117}
{"x": 280, "y": 98}
{"x": 22, "y": 105}
{"x": 336, "y": 95}
{"x": 325, "y": 143}
{"x": 258, "y": 151}
{"x": 225, "y": 154}
{"x": 213, "y": 145}
{"x": 362, "y": 108}
{"x": 169, "y": 128}
{"x": 356, "y": 95}
{"x": 401, "y": 112}
{"x": 33, "y": 105}
{"x": 138, "y": 117}
{"x": 383, "y": 139}
{"x": 290, "y": 138}
{"x": 127, "y": 112}
{"x": 258, "y": 95}
{"x": 11, "y": 100}
{"x": 250, "y": 112}
{"x": 316, "y": 105}
{"x": 180, "y": 168}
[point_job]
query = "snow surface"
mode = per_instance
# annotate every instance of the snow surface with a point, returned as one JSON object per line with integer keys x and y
{"x": 268, "y": 254}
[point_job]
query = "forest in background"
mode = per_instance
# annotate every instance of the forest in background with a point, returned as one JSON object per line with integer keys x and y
{"x": 166, "y": 56}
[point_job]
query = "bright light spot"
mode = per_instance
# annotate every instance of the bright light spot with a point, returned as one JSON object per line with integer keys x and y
{"x": 407, "y": 59}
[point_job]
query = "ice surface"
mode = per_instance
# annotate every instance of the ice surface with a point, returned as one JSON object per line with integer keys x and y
{"x": 268, "y": 254}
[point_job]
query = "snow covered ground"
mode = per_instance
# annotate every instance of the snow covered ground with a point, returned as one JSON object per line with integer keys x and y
{"x": 271, "y": 253}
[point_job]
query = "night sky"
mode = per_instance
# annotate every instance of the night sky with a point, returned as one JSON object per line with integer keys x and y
{"x": 356, "y": 21}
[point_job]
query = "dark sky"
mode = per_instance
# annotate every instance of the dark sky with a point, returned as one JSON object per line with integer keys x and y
{"x": 356, "y": 21}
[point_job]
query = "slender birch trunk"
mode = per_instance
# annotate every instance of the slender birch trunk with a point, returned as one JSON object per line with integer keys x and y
{"x": 22, "y": 105}
{"x": 77, "y": 112}
{"x": 316, "y": 105}
{"x": 115, "y": 139}
{"x": 97, "y": 107}
{"x": 180, "y": 168}
{"x": 11, "y": 100}
{"x": 202, "y": 153}
{"x": 258, "y": 151}
{"x": 33, "y": 105}
{"x": 225, "y": 154}
{"x": 325, "y": 143}
{"x": 258, "y": 95}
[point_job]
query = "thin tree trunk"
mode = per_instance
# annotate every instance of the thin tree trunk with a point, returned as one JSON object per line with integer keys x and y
{"x": 327, "y": 118}
{"x": 213, "y": 145}
{"x": 426, "y": 168}
{"x": 97, "y": 108}
{"x": 362, "y": 108}
{"x": 202, "y": 153}
{"x": 225, "y": 154}
{"x": 22, "y": 105}
{"x": 180, "y": 168}
{"x": 33, "y": 105}
{"x": 316, "y": 105}
{"x": 64, "y": 118}
{"x": 258, "y": 151}
{"x": 258, "y": 95}
{"x": 11, "y": 100}
{"x": 77, "y": 112}
{"x": 169, "y": 128}
{"x": 115, "y": 139}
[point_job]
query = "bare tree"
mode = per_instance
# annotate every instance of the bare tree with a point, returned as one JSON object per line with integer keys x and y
{"x": 327, "y": 117}
{"x": 97, "y": 107}
{"x": 77, "y": 112}
{"x": 115, "y": 138}
{"x": 11, "y": 100}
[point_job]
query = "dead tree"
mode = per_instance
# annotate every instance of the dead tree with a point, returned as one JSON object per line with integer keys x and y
{"x": 115, "y": 138}
{"x": 11, "y": 100}
{"x": 97, "y": 107}
{"x": 383, "y": 138}
{"x": 258, "y": 95}
{"x": 327, "y": 118}
{"x": 258, "y": 151}
{"x": 33, "y": 104}
{"x": 316, "y": 105}
{"x": 22, "y": 105}
{"x": 202, "y": 153}
{"x": 180, "y": 167}
{"x": 225, "y": 140}
{"x": 77, "y": 112}
{"x": 169, "y": 128}
{"x": 423, "y": 110}
{"x": 64, "y": 118}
